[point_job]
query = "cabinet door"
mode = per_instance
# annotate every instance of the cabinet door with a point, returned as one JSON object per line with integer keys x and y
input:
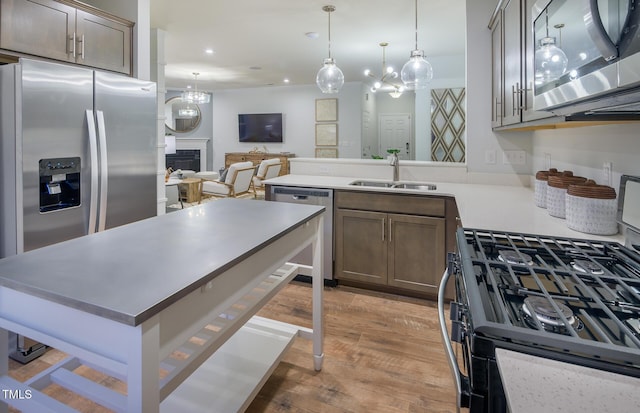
{"x": 103, "y": 43}
{"x": 416, "y": 252}
{"x": 528, "y": 71}
{"x": 496, "y": 72}
{"x": 38, "y": 27}
{"x": 512, "y": 41}
{"x": 361, "y": 246}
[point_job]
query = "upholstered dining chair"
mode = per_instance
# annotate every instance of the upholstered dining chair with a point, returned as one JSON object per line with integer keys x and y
{"x": 236, "y": 182}
{"x": 269, "y": 168}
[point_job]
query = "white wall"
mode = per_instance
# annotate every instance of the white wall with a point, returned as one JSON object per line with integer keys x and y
{"x": 297, "y": 104}
{"x": 585, "y": 150}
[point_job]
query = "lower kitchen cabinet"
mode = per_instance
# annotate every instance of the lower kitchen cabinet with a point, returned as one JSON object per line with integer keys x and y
{"x": 416, "y": 252}
{"x": 390, "y": 240}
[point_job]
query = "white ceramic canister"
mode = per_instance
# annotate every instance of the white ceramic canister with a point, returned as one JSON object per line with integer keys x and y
{"x": 557, "y": 192}
{"x": 592, "y": 208}
{"x": 540, "y": 189}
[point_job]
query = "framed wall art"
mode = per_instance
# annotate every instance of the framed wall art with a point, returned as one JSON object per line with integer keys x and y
{"x": 326, "y": 152}
{"x": 327, "y": 110}
{"x": 326, "y": 134}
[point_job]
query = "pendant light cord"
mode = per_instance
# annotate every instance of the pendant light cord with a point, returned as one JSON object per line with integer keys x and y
{"x": 329, "y": 12}
{"x": 416, "y": 24}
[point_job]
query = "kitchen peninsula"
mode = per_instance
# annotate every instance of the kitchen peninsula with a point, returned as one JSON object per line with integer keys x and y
{"x": 124, "y": 301}
{"x": 497, "y": 207}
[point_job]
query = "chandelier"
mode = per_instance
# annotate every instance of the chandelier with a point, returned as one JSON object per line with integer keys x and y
{"x": 417, "y": 72}
{"x": 188, "y": 111}
{"x": 193, "y": 96}
{"x": 387, "y": 74}
{"x": 329, "y": 78}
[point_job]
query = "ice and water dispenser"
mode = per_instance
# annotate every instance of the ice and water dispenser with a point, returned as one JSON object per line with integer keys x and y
{"x": 59, "y": 183}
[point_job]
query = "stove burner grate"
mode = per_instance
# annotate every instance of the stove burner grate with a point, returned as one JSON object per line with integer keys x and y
{"x": 514, "y": 257}
{"x": 547, "y": 315}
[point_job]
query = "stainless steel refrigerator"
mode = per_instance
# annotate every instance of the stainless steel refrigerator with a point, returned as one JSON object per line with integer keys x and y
{"x": 77, "y": 152}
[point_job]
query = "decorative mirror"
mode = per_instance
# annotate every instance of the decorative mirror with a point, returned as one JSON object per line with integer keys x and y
{"x": 180, "y": 116}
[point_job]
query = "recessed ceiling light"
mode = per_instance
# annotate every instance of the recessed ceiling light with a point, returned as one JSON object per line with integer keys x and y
{"x": 312, "y": 35}
{"x": 255, "y": 68}
{"x": 286, "y": 80}
{"x": 208, "y": 51}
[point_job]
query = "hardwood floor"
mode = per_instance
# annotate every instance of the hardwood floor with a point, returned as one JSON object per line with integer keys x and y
{"x": 383, "y": 353}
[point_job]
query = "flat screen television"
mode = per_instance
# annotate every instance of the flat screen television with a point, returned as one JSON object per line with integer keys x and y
{"x": 260, "y": 127}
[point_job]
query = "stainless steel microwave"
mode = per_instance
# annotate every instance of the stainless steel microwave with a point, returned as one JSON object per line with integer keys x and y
{"x": 587, "y": 57}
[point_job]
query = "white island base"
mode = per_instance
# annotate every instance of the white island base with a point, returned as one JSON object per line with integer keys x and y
{"x": 227, "y": 381}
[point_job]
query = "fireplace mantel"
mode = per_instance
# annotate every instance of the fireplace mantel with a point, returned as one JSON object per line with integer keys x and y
{"x": 197, "y": 144}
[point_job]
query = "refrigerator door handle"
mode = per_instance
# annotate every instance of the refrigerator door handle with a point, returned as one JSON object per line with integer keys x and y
{"x": 93, "y": 153}
{"x": 104, "y": 170}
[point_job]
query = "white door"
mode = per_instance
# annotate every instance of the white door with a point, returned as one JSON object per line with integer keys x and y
{"x": 395, "y": 133}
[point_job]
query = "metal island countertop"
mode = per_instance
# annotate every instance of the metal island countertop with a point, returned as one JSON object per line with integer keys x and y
{"x": 130, "y": 273}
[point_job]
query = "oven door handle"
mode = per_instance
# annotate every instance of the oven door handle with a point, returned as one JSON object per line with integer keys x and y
{"x": 453, "y": 363}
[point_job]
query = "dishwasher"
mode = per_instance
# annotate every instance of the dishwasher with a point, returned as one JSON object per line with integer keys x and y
{"x": 311, "y": 196}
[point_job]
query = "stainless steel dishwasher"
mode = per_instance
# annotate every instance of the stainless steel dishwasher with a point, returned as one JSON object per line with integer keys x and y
{"x": 312, "y": 196}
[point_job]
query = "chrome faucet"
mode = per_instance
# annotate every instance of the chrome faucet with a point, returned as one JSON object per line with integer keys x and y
{"x": 396, "y": 166}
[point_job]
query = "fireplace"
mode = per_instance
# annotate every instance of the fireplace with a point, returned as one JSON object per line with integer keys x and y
{"x": 191, "y": 154}
{"x": 187, "y": 159}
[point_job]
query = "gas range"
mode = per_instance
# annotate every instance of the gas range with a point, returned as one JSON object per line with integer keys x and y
{"x": 565, "y": 295}
{"x": 571, "y": 300}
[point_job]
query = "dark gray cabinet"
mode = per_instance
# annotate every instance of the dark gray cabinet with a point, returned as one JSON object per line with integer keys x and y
{"x": 393, "y": 240}
{"x": 512, "y": 64}
{"x": 68, "y": 31}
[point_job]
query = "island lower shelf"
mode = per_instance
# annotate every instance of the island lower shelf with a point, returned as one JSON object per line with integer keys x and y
{"x": 236, "y": 372}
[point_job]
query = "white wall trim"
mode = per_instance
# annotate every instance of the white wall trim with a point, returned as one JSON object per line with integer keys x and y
{"x": 195, "y": 144}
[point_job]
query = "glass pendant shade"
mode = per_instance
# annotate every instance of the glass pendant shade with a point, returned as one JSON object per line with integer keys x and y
{"x": 551, "y": 61}
{"x": 330, "y": 78}
{"x": 417, "y": 72}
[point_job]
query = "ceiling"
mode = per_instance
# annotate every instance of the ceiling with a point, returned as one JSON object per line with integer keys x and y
{"x": 258, "y": 43}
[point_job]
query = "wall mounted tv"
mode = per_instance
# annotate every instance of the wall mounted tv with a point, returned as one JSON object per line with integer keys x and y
{"x": 260, "y": 127}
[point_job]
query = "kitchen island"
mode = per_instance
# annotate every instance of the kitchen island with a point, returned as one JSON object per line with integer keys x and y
{"x": 154, "y": 302}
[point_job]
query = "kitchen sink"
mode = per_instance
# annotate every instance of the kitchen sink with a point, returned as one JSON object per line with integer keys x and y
{"x": 377, "y": 184}
{"x": 414, "y": 185}
{"x": 401, "y": 185}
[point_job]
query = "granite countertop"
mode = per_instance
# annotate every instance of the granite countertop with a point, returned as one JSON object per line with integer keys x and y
{"x": 495, "y": 207}
{"x": 533, "y": 384}
{"x": 130, "y": 273}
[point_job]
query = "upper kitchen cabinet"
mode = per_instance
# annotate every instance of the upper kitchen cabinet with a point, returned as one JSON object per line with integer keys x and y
{"x": 512, "y": 60}
{"x": 68, "y": 31}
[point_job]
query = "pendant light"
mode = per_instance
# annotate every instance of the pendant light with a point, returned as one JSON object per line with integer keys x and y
{"x": 329, "y": 78}
{"x": 193, "y": 96}
{"x": 550, "y": 61}
{"x": 417, "y": 72}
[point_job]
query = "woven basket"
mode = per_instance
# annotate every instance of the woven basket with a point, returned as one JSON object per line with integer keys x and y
{"x": 592, "y": 208}
{"x": 557, "y": 191}
{"x": 540, "y": 189}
